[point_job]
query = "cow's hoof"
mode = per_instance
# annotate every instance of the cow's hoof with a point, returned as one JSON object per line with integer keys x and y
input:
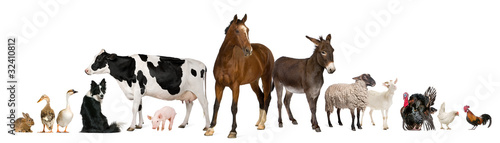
{"x": 317, "y": 129}
{"x": 209, "y": 132}
{"x": 138, "y": 127}
{"x": 280, "y": 125}
{"x": 130, "y": 129}
{"x": 294, "y": 122}
{"x": 231, "y": 135}
{"x": 205, "y": 129}
{"x": 261, "y": 127}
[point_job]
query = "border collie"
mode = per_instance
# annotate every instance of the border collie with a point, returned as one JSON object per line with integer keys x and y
{"x": 92, "y": 118}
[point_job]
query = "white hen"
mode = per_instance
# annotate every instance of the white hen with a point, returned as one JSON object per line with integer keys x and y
{"x": 446, "y": 117}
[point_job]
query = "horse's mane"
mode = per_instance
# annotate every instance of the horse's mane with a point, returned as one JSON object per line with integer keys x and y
{"x": 227, "y": 28}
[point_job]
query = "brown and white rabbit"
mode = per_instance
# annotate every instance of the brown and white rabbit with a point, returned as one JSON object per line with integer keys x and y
{"x": 24, "y": 124}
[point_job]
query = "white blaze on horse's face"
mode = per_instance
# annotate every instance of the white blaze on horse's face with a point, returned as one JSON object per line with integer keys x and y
{"x": 247, "y": 50}
{"x": 330, "y": 68}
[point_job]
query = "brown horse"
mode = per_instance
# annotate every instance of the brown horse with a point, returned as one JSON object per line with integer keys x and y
{"x": 303, "y": 76}
{"x": 238, "y": 63}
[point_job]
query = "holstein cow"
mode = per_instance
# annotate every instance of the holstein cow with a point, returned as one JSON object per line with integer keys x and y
{"x": 161, "y": 77}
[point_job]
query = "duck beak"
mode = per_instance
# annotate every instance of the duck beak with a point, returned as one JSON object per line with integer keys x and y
{"x": 74, "y": 91}
{"x": 40, "y": 100}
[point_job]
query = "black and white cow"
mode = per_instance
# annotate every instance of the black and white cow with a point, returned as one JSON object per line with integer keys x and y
{"x": 161, "y": 77}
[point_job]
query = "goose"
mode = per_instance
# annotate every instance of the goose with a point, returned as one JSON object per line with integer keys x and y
{"x": 65, "y": 115}
{"x": 47, "y": 114}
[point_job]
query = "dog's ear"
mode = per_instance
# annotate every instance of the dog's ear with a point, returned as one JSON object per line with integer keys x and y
{"x": 103, "y": 82}
{"x": 93, "y": 84}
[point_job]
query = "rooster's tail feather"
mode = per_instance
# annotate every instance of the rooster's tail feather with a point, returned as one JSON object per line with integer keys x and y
{"x": 486, "y": 118}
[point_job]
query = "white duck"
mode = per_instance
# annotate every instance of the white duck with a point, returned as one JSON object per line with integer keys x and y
{"x": 65, "y": 115}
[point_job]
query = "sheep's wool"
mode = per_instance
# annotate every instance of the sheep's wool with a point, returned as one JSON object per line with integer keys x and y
{"x": 346, "y": 96}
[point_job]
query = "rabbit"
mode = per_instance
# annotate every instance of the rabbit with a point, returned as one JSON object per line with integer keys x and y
{"x": 24, "y": 124}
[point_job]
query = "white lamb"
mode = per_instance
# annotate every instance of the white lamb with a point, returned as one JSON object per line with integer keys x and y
{"x": 381, "y": 101}
{"x": 351, "y": 96}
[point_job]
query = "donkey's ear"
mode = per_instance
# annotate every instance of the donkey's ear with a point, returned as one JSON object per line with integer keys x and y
{"x": 315, "y": 41}
{"x": 329, "y": 37}
{"x": 244, "y": 18}
{"x": 396, "y": 81}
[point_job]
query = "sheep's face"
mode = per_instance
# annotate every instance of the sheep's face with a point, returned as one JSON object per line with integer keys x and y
{"x": 367, "y": 79}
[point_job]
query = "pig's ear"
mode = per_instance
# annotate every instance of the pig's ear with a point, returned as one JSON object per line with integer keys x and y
{"x": 149, "y": 117}
{"x": 160, "y": 116}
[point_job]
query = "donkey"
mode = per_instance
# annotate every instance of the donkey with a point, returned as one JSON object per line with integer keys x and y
{"x": 307, "y": 77}
{"x": 241, "y": 62}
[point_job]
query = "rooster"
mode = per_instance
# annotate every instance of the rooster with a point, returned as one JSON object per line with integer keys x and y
{"x": 474, "y": 120}
{"x": 417, "y": 110}
{"x": 446, "y": 117}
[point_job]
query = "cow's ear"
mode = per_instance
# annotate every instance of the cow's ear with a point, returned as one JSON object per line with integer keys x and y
{"x": 111, "y": 57}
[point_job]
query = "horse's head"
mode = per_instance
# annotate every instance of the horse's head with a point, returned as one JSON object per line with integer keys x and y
{"x": 324, "y": 52}
{"x": 237, "y": 33}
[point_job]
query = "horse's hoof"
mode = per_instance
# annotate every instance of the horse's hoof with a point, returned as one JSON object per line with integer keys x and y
{"x": 317, "y": 129}
{"x": 261, "y": 127}
{"x": 386, "y": 128}
{"x": 130, "y": 129}
{"x": 205, "y": 129}
{"x": 231, "y": 135}
{"x": 138, "y": 127}
{"x": 330, "y": 125}
{"x": 353, "y": 128}
{"x": 359, "y": 127}
{"x": 280, "y": 125}
{"x": 294, "y": 122}
{"x": 372, "y": 124}
{"x": 340, "y": 124}
{"x": 209, "y": 132}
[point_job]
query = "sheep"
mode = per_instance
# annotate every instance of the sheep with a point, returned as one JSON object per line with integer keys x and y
{"x": 381, "y": 101}
{"x": 349, "y": 96}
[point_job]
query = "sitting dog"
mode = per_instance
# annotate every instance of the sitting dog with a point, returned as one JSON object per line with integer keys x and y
{"x": 92, "y": 118}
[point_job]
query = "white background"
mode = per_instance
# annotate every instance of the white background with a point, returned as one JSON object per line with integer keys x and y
{"x": 451, "y": 45}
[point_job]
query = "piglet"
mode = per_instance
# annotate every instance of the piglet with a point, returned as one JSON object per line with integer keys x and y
{"x": 165, "y": 113}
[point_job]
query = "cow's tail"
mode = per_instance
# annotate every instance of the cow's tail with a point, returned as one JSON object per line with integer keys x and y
{"x": 205, "y": 83}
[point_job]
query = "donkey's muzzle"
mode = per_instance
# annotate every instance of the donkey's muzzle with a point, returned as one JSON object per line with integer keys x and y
{"x": 330, "y": 68}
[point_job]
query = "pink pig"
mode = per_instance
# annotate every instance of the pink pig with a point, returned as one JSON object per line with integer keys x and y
{"x": 165, "y": 113}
